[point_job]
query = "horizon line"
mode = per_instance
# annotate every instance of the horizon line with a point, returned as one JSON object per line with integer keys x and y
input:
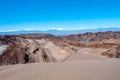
{"x": 57, "y": 29}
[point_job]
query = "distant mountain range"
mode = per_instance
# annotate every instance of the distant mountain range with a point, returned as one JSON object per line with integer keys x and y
{"x": 59, "y": 32}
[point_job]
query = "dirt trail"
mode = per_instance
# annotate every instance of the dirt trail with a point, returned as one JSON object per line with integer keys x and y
{"x": 57, "y": 53}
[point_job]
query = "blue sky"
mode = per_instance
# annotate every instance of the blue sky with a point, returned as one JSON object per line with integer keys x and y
{"x": 58, "y": 14}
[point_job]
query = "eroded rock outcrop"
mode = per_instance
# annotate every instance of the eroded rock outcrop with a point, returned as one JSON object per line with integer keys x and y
{"x": 89, "y": 36}
{"x": 112, "y": 53}
{"x": 23, "y": 50}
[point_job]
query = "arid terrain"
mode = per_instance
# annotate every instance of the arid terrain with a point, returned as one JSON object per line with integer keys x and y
{"x": 89, "y": 56}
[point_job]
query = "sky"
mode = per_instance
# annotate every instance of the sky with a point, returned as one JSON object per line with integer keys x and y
{"x": 58, "y": 14}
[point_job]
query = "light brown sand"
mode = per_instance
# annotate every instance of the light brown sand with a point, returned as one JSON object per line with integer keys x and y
{"x": 86, "y": 54}
{"x": 108, "y": 69}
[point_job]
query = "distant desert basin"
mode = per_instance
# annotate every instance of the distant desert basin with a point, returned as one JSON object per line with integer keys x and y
{"x": 108, "y": 69}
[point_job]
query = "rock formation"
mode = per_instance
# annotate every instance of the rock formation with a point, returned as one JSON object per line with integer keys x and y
{"x": 112, "y": 53}
{"x": 29, "y": 50}
{"x": 88, "y": 37}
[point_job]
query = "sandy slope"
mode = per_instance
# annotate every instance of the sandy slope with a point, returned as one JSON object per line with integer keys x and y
{"x": 86, "y": 54}
{"x": 83, "y": 70}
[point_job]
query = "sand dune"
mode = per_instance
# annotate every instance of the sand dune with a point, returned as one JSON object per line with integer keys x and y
{"x": 83, "y": 70}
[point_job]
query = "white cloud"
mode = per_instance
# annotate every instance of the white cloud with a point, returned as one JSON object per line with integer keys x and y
{"x": 8, "y": 30}
{"x": 56, "y": 29}
{"x": 29, "y": 29}
{"x": 60, "y": 29}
